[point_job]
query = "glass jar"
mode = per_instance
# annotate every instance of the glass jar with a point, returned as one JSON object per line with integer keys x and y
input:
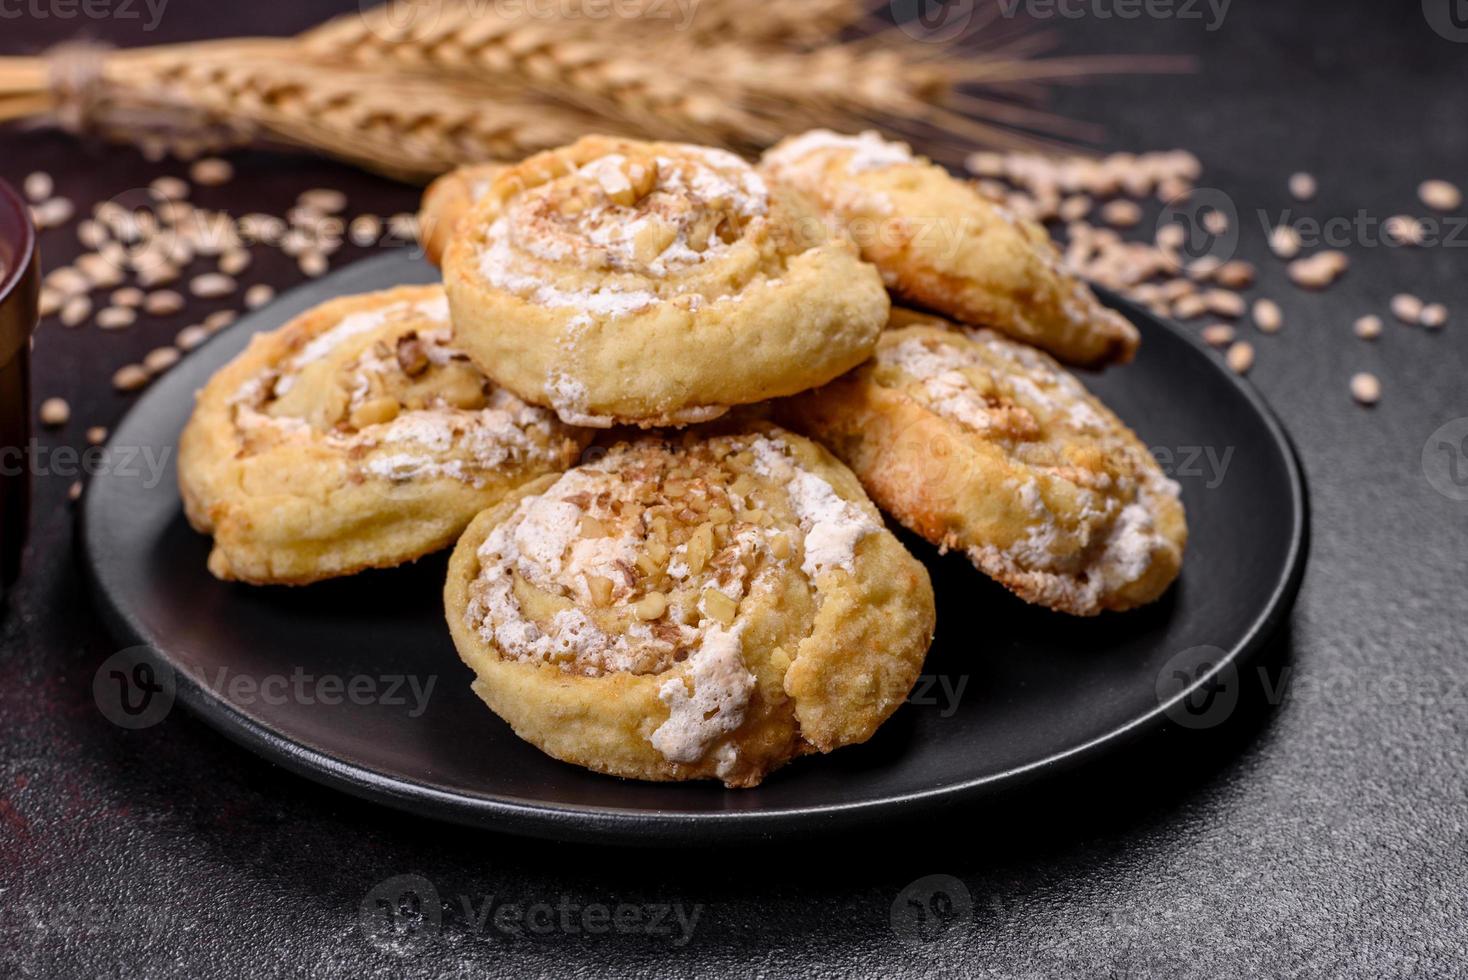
{"x": 19, "y": 292}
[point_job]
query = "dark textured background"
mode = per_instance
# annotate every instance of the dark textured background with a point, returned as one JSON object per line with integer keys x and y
{"x": 1323, "y": 836}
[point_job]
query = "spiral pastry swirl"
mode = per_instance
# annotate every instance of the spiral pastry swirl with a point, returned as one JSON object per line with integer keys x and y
{"x": 982, "y": 444}
{"x": 654, "y": 284}
{"x": 711, "y": 607}
{"x": 355, "y": 436}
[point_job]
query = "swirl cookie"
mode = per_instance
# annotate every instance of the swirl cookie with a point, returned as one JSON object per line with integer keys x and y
{"x": 708, "y": 608}
{"x": 654, "y": 284}
{"x": 447, "y": 200}
{"x": 942, "y": 244}
{"x": 979, "y": 443}
{"x": 355, "y": 437}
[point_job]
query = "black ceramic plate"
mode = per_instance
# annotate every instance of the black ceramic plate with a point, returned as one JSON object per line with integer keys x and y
{"x": 321, "y": 678}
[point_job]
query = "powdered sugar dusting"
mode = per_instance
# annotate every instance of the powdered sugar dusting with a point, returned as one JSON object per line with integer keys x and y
{"x": 868, "y": 151}
{"x": 833, "y": 526}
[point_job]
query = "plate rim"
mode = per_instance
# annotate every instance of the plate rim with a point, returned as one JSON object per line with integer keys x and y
{"x": 619, "y": 825}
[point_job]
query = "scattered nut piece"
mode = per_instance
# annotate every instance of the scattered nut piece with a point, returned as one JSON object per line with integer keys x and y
{"x": 1433, "y": 316}
{"x": 1284, "y": 242}
{"x": 1188, "y": 307}
{"x": 91, "y": 234}
{"x": 1366, "y": 388}
{"x": 1219, "y": 334}
{"x": 38, "y": 187}
{"x": 313, "y": 264}
{"x": 130, "y": 377}
{"x": 50, "y": 214}
{"x": 170, "y": 188}
{"x": 1302, "y": 186}
{"x": 1121, "y": 213}
{"x": 1237, "y": 274}
{"x": 76, "y": 309}
{"x": 1171, "y": 235}
{"x": 219, "y": 319}
{"x": 1318, "y": 270}
{"x": 1240, "y": 357}
{"x": 651, "y": 606}
{"x": 1404, "y": 229}
{"x": 1224, "y": 303}
{"x": 191, "y": 336}
{"x": 165, "y": 302}
{"x": 1407, "y": 308}
{"x": 1267, "y": 315}
{"x": 1440, "y": 195}
{"x": 116, "y": 318}
{"x": 74, "y": 492}
{"x": 55, "y": 412}
{"x": 1367, "y": 327}
{"x": 129, "y": 296}
{"x": 211, "y": 172}
{"x": 212, "y": 285}
{"x": 323, "y": 200}
{"x": 258, "y": 295}
{"x": 365, "y": 230}
{"x": 1215, "y": 222}
{"x": 51, "y": 300}
{"x": 160, "y": 359}
{"x": 233, "y": 262}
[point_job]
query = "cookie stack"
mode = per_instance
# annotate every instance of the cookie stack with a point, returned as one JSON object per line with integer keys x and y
{"x": 655, "y": 576}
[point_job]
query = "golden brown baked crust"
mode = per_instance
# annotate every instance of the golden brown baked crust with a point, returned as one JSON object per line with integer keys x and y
{"x": 354, "y": 437}
{"x": 705, "y": 608}
{"x": 979, "y": 443}
{"x": 942, "y": 244}
{"x": 447, "y": 200}
{"x": 654, "y": 284}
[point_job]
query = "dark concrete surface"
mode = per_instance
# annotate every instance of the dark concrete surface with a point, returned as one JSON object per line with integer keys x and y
{"x": 1319, "y": 832}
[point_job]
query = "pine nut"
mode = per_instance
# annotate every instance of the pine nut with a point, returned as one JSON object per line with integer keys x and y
{"x": 1366, "y": 388}
{"x": 55, "y": 412}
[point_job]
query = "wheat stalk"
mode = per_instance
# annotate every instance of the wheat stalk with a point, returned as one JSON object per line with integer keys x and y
{"x": 458, "y": 82}
{"x": 206, "y": 96}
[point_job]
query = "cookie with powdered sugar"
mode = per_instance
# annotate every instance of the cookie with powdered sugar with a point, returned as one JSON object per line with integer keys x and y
{"x": 942, "y": 244}
{"x": 356, "y": 436}
{"x": 988, "y": 446}
{"x": 620, "y": 281}
{"x": 709, "y": 607}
